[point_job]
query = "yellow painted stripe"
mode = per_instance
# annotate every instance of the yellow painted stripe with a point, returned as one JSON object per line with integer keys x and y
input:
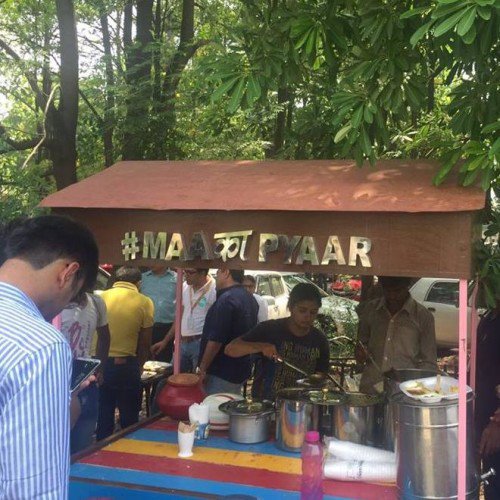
{"x": 210, "y": 455}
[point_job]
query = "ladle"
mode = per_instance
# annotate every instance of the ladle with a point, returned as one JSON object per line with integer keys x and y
{"x": 314, "y": 377}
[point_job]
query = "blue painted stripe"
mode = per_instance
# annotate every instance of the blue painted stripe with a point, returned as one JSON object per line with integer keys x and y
{"x": 84, "y": 491}
{"x": 179, "y": 482}
{"x": 221, "y": 443}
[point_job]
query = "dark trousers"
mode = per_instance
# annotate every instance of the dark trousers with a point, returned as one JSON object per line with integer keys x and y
{"x": 121, "y": 389}
{"x": 159, "y": 332}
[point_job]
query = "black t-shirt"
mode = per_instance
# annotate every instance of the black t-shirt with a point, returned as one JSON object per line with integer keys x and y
{"x": 311, "y": 353}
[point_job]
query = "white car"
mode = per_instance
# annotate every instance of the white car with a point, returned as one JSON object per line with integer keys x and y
{"x": 275, "y": 287}
{"x": 440, "y": 297}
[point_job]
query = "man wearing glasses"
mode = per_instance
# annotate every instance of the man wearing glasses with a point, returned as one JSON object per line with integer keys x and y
{"x": 198, "y": 295}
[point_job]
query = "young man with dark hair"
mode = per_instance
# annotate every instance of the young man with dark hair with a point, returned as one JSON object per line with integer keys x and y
{"x": 198, "y": 295}
{"x": 233, "y": 314}
{"x": 294, "y": 339}
{"x": 45, "y": 262}
{"x": 130, "y": 320}
{"x": 397, "y": 331}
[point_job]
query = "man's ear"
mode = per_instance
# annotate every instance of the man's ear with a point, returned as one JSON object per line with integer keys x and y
{"x": 67, "y": 273}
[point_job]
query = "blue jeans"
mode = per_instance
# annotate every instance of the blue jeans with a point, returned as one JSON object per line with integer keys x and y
{"x": 83, "y": 431}
{"x": 189, "y": 356}
{"x": 214, "y": 385}
{"x": 121, "y": 389}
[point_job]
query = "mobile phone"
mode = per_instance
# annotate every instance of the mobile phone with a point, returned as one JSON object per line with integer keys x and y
{"x": 83, "y": 368}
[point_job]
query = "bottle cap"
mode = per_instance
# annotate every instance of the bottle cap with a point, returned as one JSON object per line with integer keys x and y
{"x": 312, "y": 436}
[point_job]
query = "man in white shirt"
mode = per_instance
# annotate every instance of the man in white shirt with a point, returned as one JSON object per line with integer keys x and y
{"x": 198, "y": 295}
{"x": 250, "y": 286}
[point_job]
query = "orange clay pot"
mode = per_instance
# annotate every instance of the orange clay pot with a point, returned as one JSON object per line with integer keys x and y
{"x": 179, "y": 393}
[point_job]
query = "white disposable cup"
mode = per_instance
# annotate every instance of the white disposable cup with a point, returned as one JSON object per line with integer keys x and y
{"x": 185, "y": 441}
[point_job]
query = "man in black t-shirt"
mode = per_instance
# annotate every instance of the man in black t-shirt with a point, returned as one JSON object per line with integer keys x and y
{"x": 293, "y": 339}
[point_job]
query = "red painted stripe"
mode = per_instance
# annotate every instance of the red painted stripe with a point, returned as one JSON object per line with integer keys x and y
{"x": 234, "y": 474}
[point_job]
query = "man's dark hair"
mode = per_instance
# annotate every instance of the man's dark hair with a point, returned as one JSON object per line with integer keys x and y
{"x": 250, "y": 278}
{"x": 304, "y": 291}
{"x": 44, "y": 239}
{"x": 129, "y": 274}
{"x": 237, "y": 275}
{"x": 202, "y": 271}
{"x": 394, "y": 281}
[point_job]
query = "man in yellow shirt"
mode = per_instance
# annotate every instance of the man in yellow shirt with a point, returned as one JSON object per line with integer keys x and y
{"x": 130, "y": 320}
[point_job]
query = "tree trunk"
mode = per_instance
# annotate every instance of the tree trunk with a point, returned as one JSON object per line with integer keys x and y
{"x": 139, "y": 86}
{"x": 279, "y": 130}
{"x": 109, "y": 106}
{"x": 167, "y": 146}
{"x": 63, "y": 154}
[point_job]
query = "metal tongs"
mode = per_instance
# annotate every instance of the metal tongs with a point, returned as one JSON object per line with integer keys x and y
{"x": 310, "y": 376}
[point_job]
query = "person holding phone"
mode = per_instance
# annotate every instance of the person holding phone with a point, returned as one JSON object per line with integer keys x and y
{"x": 44, "y": 263}
{"x": 79, "y": 321}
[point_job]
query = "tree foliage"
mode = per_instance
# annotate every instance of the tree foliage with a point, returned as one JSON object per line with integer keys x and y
{"x": 252, "y": 79}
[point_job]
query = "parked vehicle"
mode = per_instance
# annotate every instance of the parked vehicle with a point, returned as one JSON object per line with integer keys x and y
{"x": 440, "y": 297}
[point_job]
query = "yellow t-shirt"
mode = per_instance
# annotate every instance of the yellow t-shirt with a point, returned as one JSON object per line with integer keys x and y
{"x": 128, "y": 312}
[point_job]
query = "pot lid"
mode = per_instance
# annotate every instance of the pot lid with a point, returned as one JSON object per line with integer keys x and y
{"x": 183, "y": 379}
{"x": 361, "y": 399}
{"x": 325, "y": 397}
{"x": 247, "y": 407}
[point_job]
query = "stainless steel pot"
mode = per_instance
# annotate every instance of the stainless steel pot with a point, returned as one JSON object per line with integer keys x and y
{"x": 249, "y": 421}
{"x": 392, "y": 380}
{"x": 324, "y": 403}
{"x": 359, "y": 419}
{"x": 427, "y": 449}
{"x": 293, "y": 419}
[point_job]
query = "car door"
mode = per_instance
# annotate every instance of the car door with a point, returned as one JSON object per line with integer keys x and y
{"x": 442, "y": 301}
{"x": 280, "y": 294}
{"x": 264, "y": 289}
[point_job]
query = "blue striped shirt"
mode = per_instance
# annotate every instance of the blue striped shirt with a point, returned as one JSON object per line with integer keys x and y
{"x": 35, "y": 367}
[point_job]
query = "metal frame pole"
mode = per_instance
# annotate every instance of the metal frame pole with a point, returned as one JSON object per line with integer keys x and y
{"x": 462, "y": 393}
{"x": 177, "y": 322}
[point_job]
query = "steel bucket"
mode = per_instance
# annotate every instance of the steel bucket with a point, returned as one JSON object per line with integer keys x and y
{"x": 427, "y": 449}
{"x": 359, "y": 419}
{"x": 293, "y": 419}
{"x": 324, "y": 404}
{"x": 392, "y": 380}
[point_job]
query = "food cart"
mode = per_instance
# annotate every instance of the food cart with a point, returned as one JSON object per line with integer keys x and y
{"x": 311, "y": 216}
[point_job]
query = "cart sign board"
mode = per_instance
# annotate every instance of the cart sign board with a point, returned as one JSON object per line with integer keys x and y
{"x": 233, "y": 245}
{"x": 313, "y": 216}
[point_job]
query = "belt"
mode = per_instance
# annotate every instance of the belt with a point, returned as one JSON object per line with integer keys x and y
{"x": 123, "y": 360}
{"x": 190, "y": 338}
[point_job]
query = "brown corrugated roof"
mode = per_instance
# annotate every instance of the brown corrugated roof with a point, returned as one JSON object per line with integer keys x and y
{"x": 315, "y": 185}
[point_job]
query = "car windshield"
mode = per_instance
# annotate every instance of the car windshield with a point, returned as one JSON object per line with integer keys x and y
{"x": 294, "y": 279}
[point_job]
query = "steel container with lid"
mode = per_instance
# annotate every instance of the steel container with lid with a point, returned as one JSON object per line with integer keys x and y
{"x": 324, "y": 404}
{"x": 392, "y": 379}
{"x": 249, "y": 421}
{"x": 293, "y": 419}
{"x": 359, "y": 418}
{"x": 427, "y": 448}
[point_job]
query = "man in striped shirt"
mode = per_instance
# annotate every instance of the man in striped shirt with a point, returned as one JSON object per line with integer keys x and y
{"x": 44, "y": 263}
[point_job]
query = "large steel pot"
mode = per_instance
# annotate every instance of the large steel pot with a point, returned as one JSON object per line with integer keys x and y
{"x": 249, "y": 421}
{"x": 392, "y": 379}
{"x": 427, "y": 449}
{"x": 293, "y": 419}
{"x": 324, "y": 404}
{"x": 360, "y": 418}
